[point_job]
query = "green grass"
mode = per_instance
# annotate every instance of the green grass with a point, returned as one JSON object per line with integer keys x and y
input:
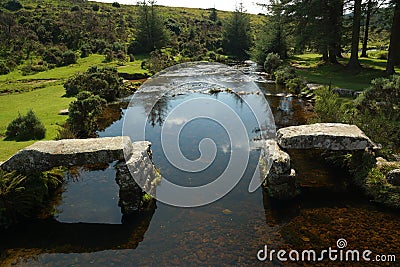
{"x": 46, "y": 103}
{"x": 311, "y": 68}
{"x": 43, "y": 93}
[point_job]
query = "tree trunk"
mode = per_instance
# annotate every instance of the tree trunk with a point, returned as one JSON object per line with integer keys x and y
{"x": 324, "y": 52}
{"x": 366, "y": 32}
{"x": 394, "y": 48}
{"x": 354, "y": 63}
{"x": 332, "y": 55}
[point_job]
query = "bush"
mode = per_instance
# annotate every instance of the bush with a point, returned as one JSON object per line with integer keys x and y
{"x": 116, "y": 4}
{"x": 53, "y": 56}
{"x": 69, "y": 57}
{"x": 284, "y": 74}
{"x": 4, "y": 69}
{"x": 83, "y": 114}
{"x": 25, "y": 128}
{"x": 32, "y": 68}
{"x": 12, "y": 5}
{"x": 378, "y": 109}
{"x": 75, "y": 8}
{"x": 328, "y": 106}
{"x": 86, "y": 50}
{"x": 103, "y": 82}
{"x": 272, "y": 62}
{"x": 295, "y": 85}
{"x": 95, "y": 7}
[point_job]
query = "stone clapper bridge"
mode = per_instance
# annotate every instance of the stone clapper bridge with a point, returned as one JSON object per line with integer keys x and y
{"x": 46, "y": 155}
{"x": 280, "y": 182}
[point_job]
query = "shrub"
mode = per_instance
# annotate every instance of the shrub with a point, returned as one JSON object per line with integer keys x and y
{"x": 116, "y": 4}
{"x": 25, "y": 128}
{"x": 75, "y": 8}
{"x": 4, "y": 69}
{"x": 379, "y": 110}
{"x": 328, "y": 106}
{"x": 95, "y": 7}
{"x": 272, "y": 62}
{"x": 69, "y": 57}
{"x": 283, "y": 74}
{"x": 103, "y": 82}
{"x": 295, "y": 85}
{"x": 86, "y": 50}
{"x": 12, "y": 5}
{"x": 53, "y": 56}
{"x": 23, "y": 197}
{"x": 83, "y": 114}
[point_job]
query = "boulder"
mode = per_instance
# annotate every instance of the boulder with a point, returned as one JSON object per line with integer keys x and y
{"x": 393, "y": 177}
{"x": 329, "y": 136}
{"x": 45, "y": 155}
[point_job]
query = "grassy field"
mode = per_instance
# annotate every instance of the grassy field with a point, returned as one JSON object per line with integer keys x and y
{"x": 311, "y": 68}
{"x": 46, "y": 103}
{"x": 43, "y": 93}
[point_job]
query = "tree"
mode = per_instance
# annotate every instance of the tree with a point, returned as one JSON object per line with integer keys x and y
{"x": 237, "y": 33}
{"x": 318, "y": 25}
{"x": 354, "y": 63}
{"x": 366, "y": 30}
{"x": 394, "y": 48}
{"x": 151, "y": 32}
{"x": 83, "y": 114}
{"x": 213, "y": 15}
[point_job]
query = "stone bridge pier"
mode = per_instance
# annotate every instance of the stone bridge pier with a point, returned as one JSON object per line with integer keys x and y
{"x": 280, "y": 182}
{"x": 45, "y": 155}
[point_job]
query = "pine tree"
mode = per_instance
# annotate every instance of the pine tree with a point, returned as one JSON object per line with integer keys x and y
{"x": 237, "y": 33}
{"x": 151, "y": 33}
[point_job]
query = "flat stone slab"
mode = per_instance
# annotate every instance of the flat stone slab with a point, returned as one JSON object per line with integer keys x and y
{"x": 330, "y": 136}
{"x": 45, "y": 155}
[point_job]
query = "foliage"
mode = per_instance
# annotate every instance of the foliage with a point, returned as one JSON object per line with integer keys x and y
{"x": 237, "y": 37}
{"x": 328, "y": 106}
{"x": 273, "y": 38}
{"x": 83, "y": 114}
{"x": 272, "y": 62}
{"x": 4, "y": 69}
{"x": 284, "y": 74}
{"x": 375, "y": 111}
{"x": 24, "y": 196}
{"x": 159, "y": 60}
{"x": 34, "y": 67}
{"x": 27, "y": 127}
{"x": 151, "y": 33}
{"x": 379, "y": 109}
{"x": 103, "y": 82}
{"x": 53, "y": 56}
{"x": 296, "y": 85}
{"x": 12, "y": 5}
{"x": 69, "y": 57}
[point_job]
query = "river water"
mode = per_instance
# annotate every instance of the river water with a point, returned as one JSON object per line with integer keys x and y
{"x": 89, "y": 230}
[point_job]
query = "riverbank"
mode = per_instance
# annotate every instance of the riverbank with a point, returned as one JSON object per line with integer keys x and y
{"x": 314, "y": 70}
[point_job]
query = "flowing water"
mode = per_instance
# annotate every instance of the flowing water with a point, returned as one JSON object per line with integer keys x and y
{"x": 89, "y": 230}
